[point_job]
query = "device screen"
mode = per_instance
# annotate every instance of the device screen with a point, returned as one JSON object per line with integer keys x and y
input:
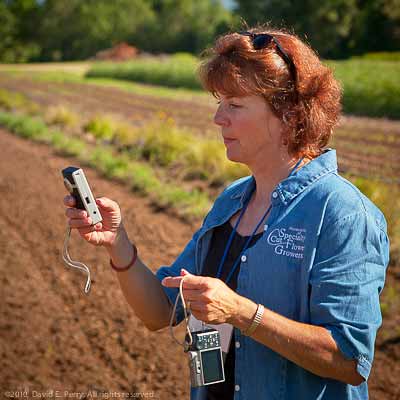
{"x": 212, "y": 366}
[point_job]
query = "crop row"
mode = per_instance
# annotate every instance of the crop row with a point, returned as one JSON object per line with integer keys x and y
{"x": 150, "y": 159}
{"x": 371, "y": 87}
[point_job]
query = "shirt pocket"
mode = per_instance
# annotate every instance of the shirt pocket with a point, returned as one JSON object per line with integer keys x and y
{"x": 273, "y": 275}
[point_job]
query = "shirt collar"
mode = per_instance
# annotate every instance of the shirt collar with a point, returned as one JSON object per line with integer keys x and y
{"x": 242, "y": 192}
{"x": 295, "y": 184}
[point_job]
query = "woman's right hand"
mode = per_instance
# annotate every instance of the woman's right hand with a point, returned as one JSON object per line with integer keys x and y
{"x": 103, "y": 233}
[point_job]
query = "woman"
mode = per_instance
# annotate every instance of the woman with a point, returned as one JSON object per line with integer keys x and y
{"x": 293, "y": 256}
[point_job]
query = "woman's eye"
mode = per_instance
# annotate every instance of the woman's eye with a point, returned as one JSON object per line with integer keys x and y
{"x": 230, "y": 105}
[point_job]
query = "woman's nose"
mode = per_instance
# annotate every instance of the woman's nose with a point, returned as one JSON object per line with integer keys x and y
{"x": 220, "y": 119}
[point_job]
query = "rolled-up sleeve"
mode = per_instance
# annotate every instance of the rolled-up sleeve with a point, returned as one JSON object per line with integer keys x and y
{"x": 185, "y": 260}
{"x": 346, "y": 280}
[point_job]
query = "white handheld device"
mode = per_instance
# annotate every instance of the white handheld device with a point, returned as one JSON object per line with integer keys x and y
{"x": 76, "y": 183}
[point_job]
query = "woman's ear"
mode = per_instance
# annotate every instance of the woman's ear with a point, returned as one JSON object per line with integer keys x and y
{"x": 284, "y": 135}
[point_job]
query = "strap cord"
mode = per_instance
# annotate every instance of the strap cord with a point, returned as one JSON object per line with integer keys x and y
{"x": 75, "y": 264}
{"x": 184, "y": 344}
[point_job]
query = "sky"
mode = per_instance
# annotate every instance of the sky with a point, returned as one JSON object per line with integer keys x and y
{"x": 228, "y": 3}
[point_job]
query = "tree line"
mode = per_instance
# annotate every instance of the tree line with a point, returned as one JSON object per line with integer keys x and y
{"x": 61, "y": 30}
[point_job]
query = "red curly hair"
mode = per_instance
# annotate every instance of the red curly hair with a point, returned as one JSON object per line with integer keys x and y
{"x": 309, "y": 103}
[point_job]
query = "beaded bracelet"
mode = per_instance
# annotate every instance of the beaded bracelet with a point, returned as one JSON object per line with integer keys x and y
{"x": 129, "y": 265}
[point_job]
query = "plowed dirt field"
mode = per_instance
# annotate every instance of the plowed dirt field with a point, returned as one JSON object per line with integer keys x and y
{"x": 53, "y": 337}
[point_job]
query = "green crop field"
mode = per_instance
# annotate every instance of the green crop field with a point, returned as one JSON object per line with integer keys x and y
{"x": 371, "y": 87}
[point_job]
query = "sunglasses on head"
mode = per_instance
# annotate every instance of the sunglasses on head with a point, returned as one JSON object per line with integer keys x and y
{"x": 263, "y": 40}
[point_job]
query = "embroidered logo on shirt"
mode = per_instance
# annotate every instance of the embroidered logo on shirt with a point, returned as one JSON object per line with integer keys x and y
{"x": 288, "y": 242}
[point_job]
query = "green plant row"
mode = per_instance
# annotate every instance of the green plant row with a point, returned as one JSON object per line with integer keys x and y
{"x": 174, "y": 71}
{"x": 371, "y": 86}
{"x": 159, "y": 142}
{"x": 140, "y": 177}
{"x": 162, "y": 143}
{"x": 380, "y": 56}
{"x": 16, "y": 101}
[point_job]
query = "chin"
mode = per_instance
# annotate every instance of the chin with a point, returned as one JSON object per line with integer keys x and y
{"x": 234, "y": 157}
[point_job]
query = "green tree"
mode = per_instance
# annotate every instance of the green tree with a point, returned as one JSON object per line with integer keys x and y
{"x": 7, "y": 31}
{"x": 336, "y": 28}
{"x": 325, "y": 24}
{"x": 75, "y": 29}
{"x": 184, "y": 25}
{"x": 17, "y": 21}
{"x": 376, "y": 27}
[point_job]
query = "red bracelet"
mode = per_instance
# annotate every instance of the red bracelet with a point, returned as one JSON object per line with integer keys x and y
{"x": 129, "y": 265}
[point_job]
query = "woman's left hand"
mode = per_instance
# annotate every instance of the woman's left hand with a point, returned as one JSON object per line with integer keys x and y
{"x": 211, "y": 300}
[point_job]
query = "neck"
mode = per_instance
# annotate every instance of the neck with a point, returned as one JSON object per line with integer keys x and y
{"x": 268, "y": 176}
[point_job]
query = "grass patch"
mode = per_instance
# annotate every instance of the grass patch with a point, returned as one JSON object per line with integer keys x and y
{"x": 16, "y": 101}
{"x": 143, "y": 179}
{"x": 62, "y": 116}
{"x": 174, "y": 71}
{"x": 371, "y": 88}
{"x": 27, "y": 127}
{"x": 380, "y": 56}
{"x": 11, "y": 100}
{"x": 163, "y": 144}
{"x": 106, "y": 161}
{"x": 101, "y": 127}
{"x": 68, "y": 146}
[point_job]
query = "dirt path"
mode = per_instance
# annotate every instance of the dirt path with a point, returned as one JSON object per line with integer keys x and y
{"x": 55, "y": 338}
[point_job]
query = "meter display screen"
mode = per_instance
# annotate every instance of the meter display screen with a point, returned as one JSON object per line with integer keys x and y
{"x": 212, "y": 366}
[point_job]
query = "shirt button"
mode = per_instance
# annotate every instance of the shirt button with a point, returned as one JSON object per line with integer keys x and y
{"x": 237, "y": 388}
{"x": 243, "y": 258}
{"x": 237, "y": 344}
{"x": 274, "y": 195}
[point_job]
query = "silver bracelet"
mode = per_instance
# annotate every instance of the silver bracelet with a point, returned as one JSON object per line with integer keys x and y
{"x": 256, "y": 321}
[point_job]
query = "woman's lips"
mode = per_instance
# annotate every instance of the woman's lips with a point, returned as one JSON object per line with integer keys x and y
{"x": 228, "y": 140}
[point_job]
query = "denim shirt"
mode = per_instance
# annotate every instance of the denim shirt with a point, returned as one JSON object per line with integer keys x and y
{"x": 321, "y": 260}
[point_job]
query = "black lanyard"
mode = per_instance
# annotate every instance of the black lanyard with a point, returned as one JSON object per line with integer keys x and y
{"x": 236, "y": 263}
